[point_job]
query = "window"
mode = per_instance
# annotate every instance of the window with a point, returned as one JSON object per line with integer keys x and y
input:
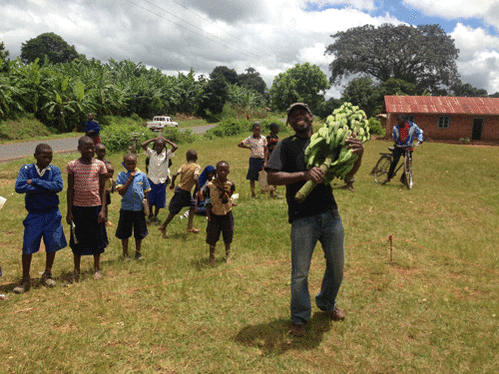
{"x": 443, "y": 122}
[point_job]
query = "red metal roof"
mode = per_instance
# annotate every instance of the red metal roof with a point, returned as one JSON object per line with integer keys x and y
{"x": 441, "y": 105}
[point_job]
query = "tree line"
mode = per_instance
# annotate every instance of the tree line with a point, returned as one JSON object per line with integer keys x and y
{"x": 60, "y": 86}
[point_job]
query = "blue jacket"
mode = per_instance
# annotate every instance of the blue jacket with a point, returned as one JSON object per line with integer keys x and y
{"x": 409, "y": 141}
{"x": 41, "y": 194}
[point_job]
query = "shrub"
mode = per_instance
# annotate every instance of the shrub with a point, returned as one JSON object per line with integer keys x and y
{"x": 178, "y": 136}
{"x": 118, "y": 137}
{"x": 265, "y": 124}
{"x": 375, "y": 127}
{"x": 229, "y": 127}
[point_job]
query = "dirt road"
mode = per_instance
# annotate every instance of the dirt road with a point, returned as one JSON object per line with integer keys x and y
{"x": 9, "y": 152}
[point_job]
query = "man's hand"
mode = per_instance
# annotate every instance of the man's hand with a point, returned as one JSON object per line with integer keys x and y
{"x": 355, "y": 145}
{"x": 132, "y": 174}
{"x": 315, "y": 174}
{"x": 69, "y": 218}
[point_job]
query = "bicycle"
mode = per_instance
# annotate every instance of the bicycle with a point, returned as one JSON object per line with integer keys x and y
{"x": 383, "y": 166}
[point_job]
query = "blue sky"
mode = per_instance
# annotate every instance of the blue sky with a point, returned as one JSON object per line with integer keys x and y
{"x": 269, "y": 36}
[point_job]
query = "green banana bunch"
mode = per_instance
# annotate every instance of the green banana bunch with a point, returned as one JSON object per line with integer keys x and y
{"x": 329, "y": 143}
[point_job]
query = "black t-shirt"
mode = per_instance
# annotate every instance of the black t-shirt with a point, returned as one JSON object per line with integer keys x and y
{"x": 289, "y": 156}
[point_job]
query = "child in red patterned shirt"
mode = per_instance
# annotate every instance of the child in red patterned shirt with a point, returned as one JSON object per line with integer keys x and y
{"x": 87, "y": 209}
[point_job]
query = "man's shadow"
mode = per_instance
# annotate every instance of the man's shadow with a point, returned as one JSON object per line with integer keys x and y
{"x": 273, "y": 337}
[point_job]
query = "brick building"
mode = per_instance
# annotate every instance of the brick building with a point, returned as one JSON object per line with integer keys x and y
{"x": 445, "y": 117}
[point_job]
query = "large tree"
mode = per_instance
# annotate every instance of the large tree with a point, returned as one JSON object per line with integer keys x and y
{"x": 51, "y": 45}
{"x": 424, "y": 55}
{"x": 252, "y": 81}
{"x": 230, "y": 75}
{"x": 305, "y": 82}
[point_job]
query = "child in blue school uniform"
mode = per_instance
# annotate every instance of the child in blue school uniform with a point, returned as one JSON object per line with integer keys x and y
{"x": 133, "y": 186}
{"x": 40, "y": 182}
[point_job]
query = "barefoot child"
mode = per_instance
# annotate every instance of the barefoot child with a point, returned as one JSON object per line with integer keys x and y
{"x": 87, "y": 208}
{"x": 158, "y": 173}
{"x": 189, "y": 174}
{"x": 40, "y": 182}
{"x": 219, "y": 211}
{"x": 100, "y": 151}
{"x": 133, "y": 187}
{"x": 258, "y": 146}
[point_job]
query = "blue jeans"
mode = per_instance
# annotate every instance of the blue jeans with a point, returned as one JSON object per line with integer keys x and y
{"x": 326, "y": 228}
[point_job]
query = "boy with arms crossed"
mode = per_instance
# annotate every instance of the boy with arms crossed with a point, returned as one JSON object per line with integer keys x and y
{"x": 40, "y": 182}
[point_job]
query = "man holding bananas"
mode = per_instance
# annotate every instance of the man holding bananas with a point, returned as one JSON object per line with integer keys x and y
{"x": 314, "y": 219}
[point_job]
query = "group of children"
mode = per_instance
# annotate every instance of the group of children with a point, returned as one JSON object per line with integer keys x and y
{"x": 88, "y": 196}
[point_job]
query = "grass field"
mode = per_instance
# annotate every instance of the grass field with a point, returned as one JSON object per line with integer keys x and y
{"x": 432, "y": 309}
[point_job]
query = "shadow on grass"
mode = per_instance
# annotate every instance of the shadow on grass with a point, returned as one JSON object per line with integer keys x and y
{"x": 36, "y": 282}
{"x": 274, "y": 338}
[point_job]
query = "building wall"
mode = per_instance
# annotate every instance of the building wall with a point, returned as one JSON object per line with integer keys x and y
{"x": 460, "y": 126}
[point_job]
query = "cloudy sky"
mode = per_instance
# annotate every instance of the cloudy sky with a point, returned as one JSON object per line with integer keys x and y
{"x": 268, "y": 35}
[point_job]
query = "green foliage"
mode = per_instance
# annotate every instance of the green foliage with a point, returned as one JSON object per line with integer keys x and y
{"x": 216, "y": 92}
{"x": 229, "y": 75}
{"x": 244, "y": 97}
{"x": 23, "y": 128}
{"x": 328, "y": 107}
{"x": 306, "y": 83}
{"x": 179, "y": 136}
{"x": 375, "y": 127}
{"x": 364, "y": 93}
{"x": 402, "y": 52}
{"x": 265, "y": 124}
{"x": 252, "y": 80}
{"x": 229, "y": 127}
{"x": 117, "y": 137}
{"x": 48, "y": 44}
{"x": 467, "y": 90}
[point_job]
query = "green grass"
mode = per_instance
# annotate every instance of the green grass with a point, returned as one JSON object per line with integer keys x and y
{"x": 432, "y": 309}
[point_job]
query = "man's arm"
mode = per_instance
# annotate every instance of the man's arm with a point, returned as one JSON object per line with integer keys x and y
{"x": 419, "y": 133}
{"x": 357, "y": 147}
{"x": 279, "y": 178}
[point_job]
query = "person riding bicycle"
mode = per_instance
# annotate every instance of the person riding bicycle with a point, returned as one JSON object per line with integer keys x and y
{"x": 403, "y": 135}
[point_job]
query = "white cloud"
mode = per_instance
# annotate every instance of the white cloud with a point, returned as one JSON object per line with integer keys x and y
{"x": 452, "y": 8}
{"x": 478, "y": 61}
{"x": 270, "y": 36}
{"x": 356, "y": 4}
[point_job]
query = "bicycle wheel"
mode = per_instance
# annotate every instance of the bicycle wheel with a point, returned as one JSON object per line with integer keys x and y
{"x": 408, "y": 171}
{"x": 381, "y": 169}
